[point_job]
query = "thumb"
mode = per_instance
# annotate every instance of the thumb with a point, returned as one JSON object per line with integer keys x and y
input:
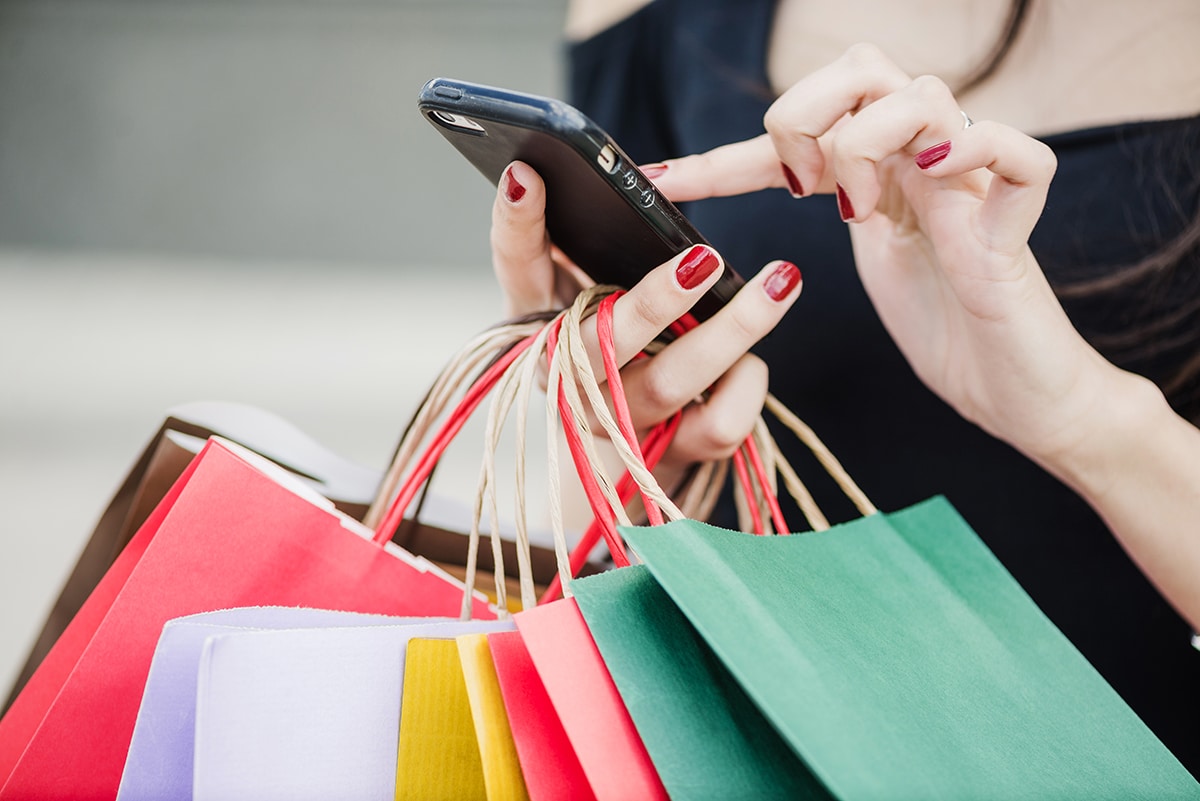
{"x": 521, "y": 255}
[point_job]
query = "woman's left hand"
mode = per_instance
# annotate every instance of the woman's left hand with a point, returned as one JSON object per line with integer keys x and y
{"x": 940, "y": 215}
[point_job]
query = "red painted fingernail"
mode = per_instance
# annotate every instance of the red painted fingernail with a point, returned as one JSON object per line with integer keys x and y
{"x": 932, "y": 155}
{"x": 845, "y": 207}
{"x": 792, "y": 181}
{"x": 699, "y": 263}
{"x": 513, "y": 190}
{"x": 652, "y": 171}
{"x": 782, "y": 280}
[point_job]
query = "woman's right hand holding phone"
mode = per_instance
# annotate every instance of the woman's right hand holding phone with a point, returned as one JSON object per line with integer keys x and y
{"x": 712, "y": 360}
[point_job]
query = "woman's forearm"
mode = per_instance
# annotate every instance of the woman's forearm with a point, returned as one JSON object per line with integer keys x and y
{"x": 1139, "y": 468}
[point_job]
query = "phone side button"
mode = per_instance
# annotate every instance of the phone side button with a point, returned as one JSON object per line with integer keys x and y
{"x": 607, "y": 158}
{"x": 448, "y": 92}
{"x": 647, "y": 198}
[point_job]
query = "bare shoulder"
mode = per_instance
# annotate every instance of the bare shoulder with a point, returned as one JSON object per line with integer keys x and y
{"x": 586, "y": 18}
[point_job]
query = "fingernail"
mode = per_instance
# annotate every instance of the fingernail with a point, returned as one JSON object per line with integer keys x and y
{"x": 652, "y": 171}
{"x": 513, "y": 191}
{"x": 698, "y": 264}
{"x": 845, "y": 208}
{"x": 932, "y": 155}
{"x": 792, "y": 181}
{"x": 782, "y": 280}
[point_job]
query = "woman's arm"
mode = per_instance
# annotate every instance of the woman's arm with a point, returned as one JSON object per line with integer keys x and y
{"x": 1137, "y": 463}
{"x": 940, "y": 215}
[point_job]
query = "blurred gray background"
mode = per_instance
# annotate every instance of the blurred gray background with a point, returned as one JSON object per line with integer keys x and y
{"x": 231, "y": 200}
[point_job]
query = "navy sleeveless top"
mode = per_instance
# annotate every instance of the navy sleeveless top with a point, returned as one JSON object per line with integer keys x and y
{"x": 677, "y": 78}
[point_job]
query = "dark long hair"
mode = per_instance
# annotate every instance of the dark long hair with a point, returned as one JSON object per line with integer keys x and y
{"x": 1017, "y": 12}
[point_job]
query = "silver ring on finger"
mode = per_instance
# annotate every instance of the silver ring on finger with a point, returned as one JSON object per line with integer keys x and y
{"x": 967, "y": 121}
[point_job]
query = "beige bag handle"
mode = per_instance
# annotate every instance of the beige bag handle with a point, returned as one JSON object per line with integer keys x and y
{"x": 773, "y": 461}
{"x": 571, "y": 370}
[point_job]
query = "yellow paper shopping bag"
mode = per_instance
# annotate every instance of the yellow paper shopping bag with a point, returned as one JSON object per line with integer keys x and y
{"x": 438, "y": 754}
{"x": 498, "y": 753}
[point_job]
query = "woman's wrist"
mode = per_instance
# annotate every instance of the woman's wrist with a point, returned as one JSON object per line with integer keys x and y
{"x": 1120, "y": 432}
{"x": 1140, "y": 470}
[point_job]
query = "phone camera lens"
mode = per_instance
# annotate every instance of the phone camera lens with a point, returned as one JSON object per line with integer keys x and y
{"x": 452, "y": 120}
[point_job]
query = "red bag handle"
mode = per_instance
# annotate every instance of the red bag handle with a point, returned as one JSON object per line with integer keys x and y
{"x": 450, "y": 427}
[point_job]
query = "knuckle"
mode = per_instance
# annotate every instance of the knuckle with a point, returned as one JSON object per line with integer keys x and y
{"x": 505, "y": 249}
{"x": 500, "y": 247}
{"x": 864, "y": 54}
{"x": 783, "y": 126}
{"x": 660, "y": 391}
{"x": 842, "y": 145}
{"x": 775, "y": 119}
{"x": 745, "y": 324}
{"x": 753, "y": 368}
{"x": 646, "y": 309}
{"x": 496, "y": 238}
{"x": 931, "y": 88}
{"x": 846, "y": 153}
{"x": 697, "y": 162}
{"x": 1046, "y": 163}
{"x": 724, "y": 434}
{"x": 702, "y": 165}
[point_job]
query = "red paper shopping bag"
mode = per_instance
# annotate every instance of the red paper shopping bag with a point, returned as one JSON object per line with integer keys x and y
{"x": 233, "y": 531}
{"x": 591, "y": 710}
{"x": 548, "y": 762}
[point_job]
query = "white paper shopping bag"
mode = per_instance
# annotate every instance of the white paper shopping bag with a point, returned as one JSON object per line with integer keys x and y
{"x": 159, "y": 763}
{"x": 306, "y": 713}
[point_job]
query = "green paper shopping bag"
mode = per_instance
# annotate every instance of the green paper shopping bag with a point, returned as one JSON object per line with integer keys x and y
{"x": 893, "y": 654}
{"x": 704, "y": 734}
{"x": 899, "y": 659}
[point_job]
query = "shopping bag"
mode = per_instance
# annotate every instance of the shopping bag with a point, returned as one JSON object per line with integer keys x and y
{"x": 308, "y": 713}
{"x": 705, "y": 736}
{"x": 581, "y": 694}
{"x": 549, "y": 764}
{"x": 900, "y": 660}
{"x": 591, "y": 710}
{"x": 894, "y": 654}
{"x": 233, "y": 531}
{"x": 172, "y": 447}
{"x": 497, "y": 751}
{"x": 160, "y": 759}
{"x": 438, "y": 752}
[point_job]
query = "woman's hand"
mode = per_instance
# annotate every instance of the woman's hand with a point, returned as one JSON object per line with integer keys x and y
{"x": 940, "y": 218}
{"x": 713, "y": 357}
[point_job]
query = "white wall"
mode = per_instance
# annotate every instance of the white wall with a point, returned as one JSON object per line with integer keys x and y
{"x": 274, "y": 129}
{"x": 226, "y": 200}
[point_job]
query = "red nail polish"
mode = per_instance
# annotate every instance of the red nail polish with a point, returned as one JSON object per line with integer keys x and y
{"x": 782, "y": 281}
{"x": 932, "y": 155}
{"x": 792, "y": 181}
{"x": 845, "y": 207}
{"x": 699, "y": 263}
{"x": 652, "y": 171}
{"x": 513, "y": 190}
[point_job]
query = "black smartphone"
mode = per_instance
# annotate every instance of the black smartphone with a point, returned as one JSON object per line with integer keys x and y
{"x": 601, "y": 211}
